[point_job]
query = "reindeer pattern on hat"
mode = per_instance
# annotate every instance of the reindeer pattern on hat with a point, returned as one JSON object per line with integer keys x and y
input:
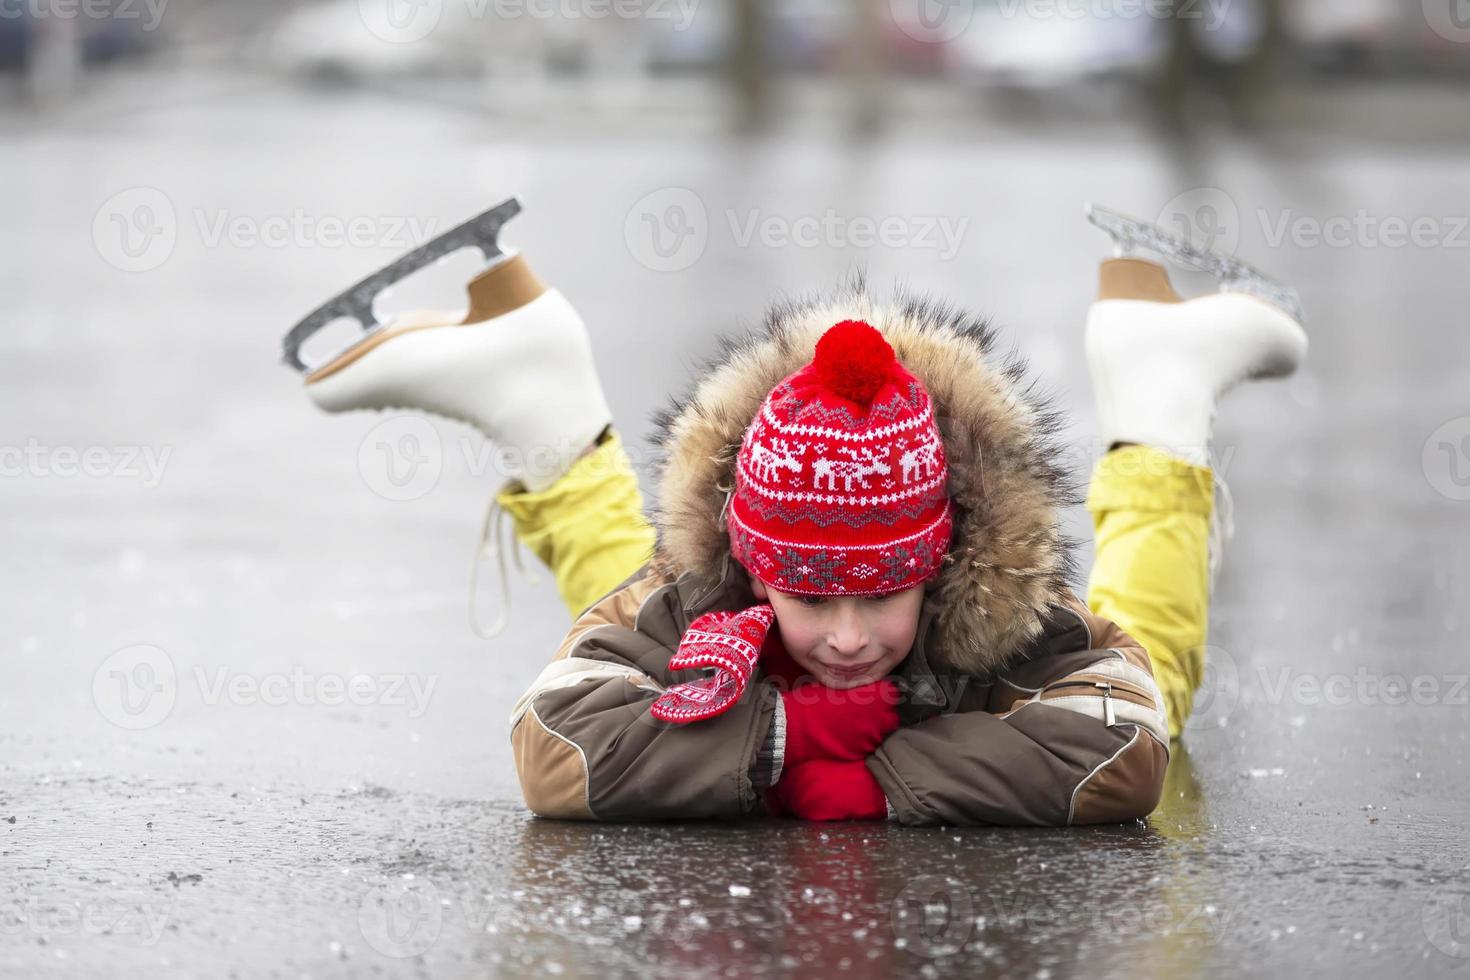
{"x": 821, "y": 466}
{"x": 860, "y": 464}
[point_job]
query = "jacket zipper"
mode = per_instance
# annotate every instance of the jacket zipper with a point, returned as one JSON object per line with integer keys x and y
{"x": 1108, "y": 716}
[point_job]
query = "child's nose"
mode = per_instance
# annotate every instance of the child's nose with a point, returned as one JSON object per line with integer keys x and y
{"x": 848, "y": 635}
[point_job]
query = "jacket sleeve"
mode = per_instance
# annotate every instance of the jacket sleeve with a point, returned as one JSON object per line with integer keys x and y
{"x": 1067, "y": 738}
{"x": 586, "y": 746}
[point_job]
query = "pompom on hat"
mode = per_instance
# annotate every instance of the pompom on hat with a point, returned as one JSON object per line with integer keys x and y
{"x": 840, "y": 482}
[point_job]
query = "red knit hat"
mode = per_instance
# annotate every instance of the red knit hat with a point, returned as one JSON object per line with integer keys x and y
{"x": 840, "y": 480}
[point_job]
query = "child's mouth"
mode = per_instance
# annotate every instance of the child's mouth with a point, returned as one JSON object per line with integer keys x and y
{"x": 853, "y": 671}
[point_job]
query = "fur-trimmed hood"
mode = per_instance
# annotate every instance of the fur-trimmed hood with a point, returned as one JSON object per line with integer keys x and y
{"x": 1008, "y": 560}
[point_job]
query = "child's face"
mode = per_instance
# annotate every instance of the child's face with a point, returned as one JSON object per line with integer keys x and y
{"x": 846, "y": 641}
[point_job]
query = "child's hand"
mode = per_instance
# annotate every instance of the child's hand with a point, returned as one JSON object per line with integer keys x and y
{"x": 823, "y": 789}
{"x": 730, "y": 642}
{"x": 838, "y": 724}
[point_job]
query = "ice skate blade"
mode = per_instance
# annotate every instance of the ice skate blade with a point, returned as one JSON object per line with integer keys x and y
{"x": 1232, "y": 274}
{"x": 503, "y": 287}
{"x": 356, "y": 303}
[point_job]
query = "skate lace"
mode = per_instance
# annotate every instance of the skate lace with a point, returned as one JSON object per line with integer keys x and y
{"x": 492, "y": 546}
{"x": 1222, "y": 524}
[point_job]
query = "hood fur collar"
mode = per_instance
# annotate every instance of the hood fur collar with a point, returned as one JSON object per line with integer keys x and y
{"x": 1008, "y": 560}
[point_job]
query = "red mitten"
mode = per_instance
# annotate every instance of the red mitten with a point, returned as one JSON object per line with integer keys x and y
{"x": 824, "y": 789}
{"x": 843, "y": 724}
{"x": 728, "y": 641}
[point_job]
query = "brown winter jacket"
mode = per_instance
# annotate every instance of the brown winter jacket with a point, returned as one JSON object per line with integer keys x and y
{"x": 1021, "y": 707}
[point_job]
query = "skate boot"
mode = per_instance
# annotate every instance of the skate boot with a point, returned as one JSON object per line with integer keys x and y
{"x": 1160, "y": 363}
{"x": 518, "y": 366}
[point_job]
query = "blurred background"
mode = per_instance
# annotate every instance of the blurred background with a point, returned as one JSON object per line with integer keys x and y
{"x": 751, "y": 66}
{"x": 197, "y": 562}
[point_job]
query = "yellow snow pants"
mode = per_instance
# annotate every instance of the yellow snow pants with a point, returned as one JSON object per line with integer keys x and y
{"x": 1150, "y": 512}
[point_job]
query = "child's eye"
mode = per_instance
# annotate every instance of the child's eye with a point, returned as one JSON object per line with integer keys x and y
{"x": 812, "y": 600}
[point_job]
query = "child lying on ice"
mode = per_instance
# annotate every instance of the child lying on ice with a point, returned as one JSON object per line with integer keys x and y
{"x": 872, "y": 481}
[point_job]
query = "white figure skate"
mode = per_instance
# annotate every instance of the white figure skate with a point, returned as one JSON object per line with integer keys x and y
{"x": 1160, "y": 363}
{"x": 518, "y": 366}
